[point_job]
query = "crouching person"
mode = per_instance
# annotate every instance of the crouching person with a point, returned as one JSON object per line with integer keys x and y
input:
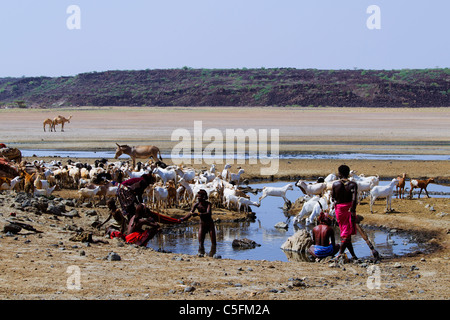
{"x": 323, "y": 236}
{"x": 136, "y": 234}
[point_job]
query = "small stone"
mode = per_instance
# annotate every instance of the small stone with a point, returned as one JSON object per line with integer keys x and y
{"x": 189, "y": 289}
{"x": 112, "y": 256}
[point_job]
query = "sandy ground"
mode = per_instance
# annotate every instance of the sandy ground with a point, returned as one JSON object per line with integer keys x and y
{"x": 39, "y": 265}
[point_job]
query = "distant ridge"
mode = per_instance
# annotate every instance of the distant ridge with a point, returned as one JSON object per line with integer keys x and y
{"x": 234, "y": 87}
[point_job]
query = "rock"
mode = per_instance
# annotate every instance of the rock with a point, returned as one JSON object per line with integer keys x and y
{"x": 189, "y": 289}
{"x": 244, "y": 243}
{"x": 70, "y": 214}
{"x": 298, "y": 242}
{"x": 52, "y": 209}
{"x": 112, "y": 256}
{"x": 281, "y": 225}
{"x": 12, "y": 228}
{"x": 91, "y": 212}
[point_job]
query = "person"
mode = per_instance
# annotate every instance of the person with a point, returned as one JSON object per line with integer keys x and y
{"x": 203, "y": 206}
{"x": 135, "y": 231}
{"x": 118, "y": 227}
{"x": 129, "y": 193}
{"x": 323, "y": 237}
{"x": 344, "y": 195}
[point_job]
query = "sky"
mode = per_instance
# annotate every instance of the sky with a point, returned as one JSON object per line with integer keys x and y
{"x": 44, "y": 38}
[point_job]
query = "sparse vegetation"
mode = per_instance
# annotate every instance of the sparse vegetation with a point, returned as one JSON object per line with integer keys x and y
{"x": 235, "y": 87}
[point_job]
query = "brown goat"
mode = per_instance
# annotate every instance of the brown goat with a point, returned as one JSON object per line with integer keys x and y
{"x": 401, "y": 185}
{"x": 422, "y": 184}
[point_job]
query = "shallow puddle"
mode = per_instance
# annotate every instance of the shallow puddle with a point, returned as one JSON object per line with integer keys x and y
{"x": 184, "y": 240}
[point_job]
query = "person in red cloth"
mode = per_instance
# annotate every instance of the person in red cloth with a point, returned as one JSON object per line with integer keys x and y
{"x": 344, "y": 194}
{"x": 203, "y": 206}
{"x": 136, "y": 234}
{"x": 129, "y": 193}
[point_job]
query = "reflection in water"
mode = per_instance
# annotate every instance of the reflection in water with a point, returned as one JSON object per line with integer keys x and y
{"x": 262, "y": 231}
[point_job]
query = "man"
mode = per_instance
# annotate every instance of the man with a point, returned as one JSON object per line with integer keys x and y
{"x": 118, "y": 227}
{"x": 136, "y": 233}
{"x": 203, "y": 206}
{"x": 344, "y": 194}
{"x": 323, "y": 236}
{"x": 129, "y": 193}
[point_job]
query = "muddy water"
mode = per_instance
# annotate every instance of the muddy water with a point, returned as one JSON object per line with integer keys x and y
{"x": 184, "y": 241}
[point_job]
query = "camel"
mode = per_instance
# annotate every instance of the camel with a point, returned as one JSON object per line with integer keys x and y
{"x": 61, "y": 120}
{"x": 138, "y": 152}
{"x": 50, "y": 123}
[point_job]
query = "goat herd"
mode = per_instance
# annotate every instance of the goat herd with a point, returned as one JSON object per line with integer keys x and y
{"x": 177, "y": 186}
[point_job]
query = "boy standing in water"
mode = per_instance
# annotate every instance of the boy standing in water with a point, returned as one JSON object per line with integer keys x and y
{"x": 203, "y": 206}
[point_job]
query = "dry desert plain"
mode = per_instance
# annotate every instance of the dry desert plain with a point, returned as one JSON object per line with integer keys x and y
{"x": 35, "y": 266}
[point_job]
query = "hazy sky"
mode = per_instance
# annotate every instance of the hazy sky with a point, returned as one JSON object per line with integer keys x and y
{"x": 147, "y": 34}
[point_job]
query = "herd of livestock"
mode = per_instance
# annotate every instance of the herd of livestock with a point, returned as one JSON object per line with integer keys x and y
{"x": 177, "y": 186}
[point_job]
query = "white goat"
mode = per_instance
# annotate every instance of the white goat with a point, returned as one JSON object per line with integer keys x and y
{"x": 364, "y": 187}
{"x": 321, "y": 205}
{"x": 383, "y": 192}
{"x": 186, "y": 174}
{"x": 230, "y": 200}
{"x": 236, "y": 177}
{"x": 226, "y": 172}
{"x": 307, "y": 208}
{"x": 44, "y": 192}
{"x": 165, "y": 174}
{"x": 242, "y": 201}
{"x": 135, "y": 174}
{"x": 160, "y": 196}
{"x": 276, "y": 192}
{"x": 86, "y": 193}
{"x": 313, "y": 188}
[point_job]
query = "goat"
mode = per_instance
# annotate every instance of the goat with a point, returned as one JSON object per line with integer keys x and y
{"x": 276, "y": 192}
{"x": 231, "y": 199}
{"x": 307, "y": 208}
{"x": 319, "y": 206}
{"x": 165, "y": 174}
{"x": 246, "y": 203}
{"x": 401, "y": 185}
{"x": 172, "y": 198}
{"x": 422, "y": 184}
{"x": 236, "y": 177}
{"x": 44, "y": 192}
{"x": 187, "y": 174}
{"x": 160, "y": 195}
{"x": 383, "y": 192}
{"x": 363, "y": 187}
{"x": 312, "y": 189}
{"x": 86, "y": 193}
{"x": 9, "y": 184}
{"x": 226, "y": 173}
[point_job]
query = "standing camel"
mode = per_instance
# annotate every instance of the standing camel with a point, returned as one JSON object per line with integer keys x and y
{"x": 50, "y": 123}
{"x": 61, "y": 120}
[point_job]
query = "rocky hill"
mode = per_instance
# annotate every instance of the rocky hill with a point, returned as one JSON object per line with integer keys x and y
{"x": 234, "y": 87}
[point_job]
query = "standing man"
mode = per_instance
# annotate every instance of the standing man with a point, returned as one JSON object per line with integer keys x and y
{"x": 203, "y": 206}
{"x": 344, "y": 194}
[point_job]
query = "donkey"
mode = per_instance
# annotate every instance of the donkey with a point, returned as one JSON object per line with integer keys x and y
{"x": 138, "y": 152}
